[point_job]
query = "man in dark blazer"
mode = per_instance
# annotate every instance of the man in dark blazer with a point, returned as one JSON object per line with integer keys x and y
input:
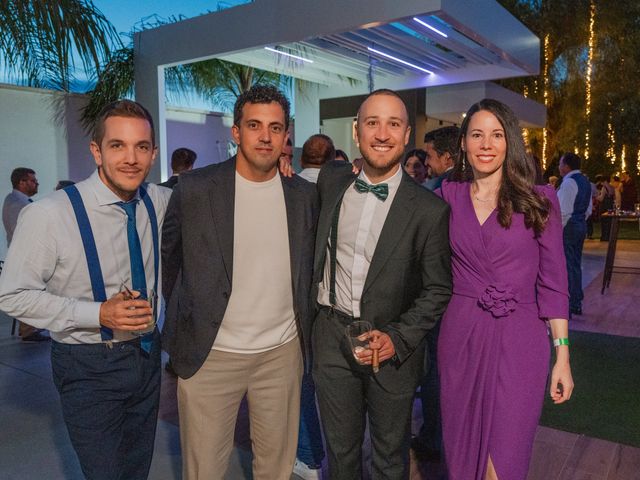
{"x": 182, "y": 160}
{"x": 237, "y": 259}
{"x": 382, "y": 255}
{"x": 441, "y": 146}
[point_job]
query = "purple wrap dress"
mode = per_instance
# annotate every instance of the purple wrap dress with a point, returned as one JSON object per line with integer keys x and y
{"x": 493, "y": 348}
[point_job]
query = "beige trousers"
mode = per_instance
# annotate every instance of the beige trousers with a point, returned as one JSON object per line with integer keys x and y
{"x": 208, "y": 406}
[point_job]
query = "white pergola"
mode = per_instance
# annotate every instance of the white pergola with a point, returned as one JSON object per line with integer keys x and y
{"x": 342, "y": 47}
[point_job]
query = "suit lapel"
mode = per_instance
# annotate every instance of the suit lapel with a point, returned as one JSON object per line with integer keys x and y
{"x": 393, "y": 229}
{"x": 222, "y": 203}
{"x": 295, "y": 213}
{"x": 324, "y": 222}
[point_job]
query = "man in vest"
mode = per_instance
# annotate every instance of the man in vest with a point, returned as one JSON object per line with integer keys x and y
{"x": 79, "y": 263}
{"x": 574, "y": 195}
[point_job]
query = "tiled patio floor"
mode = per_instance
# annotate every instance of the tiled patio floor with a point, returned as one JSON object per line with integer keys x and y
{"x": 34, "y": 442}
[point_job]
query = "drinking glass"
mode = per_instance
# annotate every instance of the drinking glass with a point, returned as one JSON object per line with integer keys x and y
{"x": 150, "y": 296}
{"x": 358, "y": 333}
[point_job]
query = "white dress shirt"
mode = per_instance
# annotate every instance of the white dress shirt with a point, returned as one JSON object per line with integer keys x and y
{"x": 362, "y": 216}
{"x": 567, "y": 197}
{"x": 45, "y": 281}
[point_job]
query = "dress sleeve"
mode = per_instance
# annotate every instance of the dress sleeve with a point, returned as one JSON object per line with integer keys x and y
{"x": 552, "y": 285}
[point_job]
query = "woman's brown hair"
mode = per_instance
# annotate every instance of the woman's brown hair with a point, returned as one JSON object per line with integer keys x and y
{"x": 517, "y": 192}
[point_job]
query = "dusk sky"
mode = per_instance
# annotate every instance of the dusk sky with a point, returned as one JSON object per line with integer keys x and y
{"x": 124, "y": 14}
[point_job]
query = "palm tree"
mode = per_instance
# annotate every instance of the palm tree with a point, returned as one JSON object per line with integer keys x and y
{"x": 220, "y": 81}
{"x": 39, "y": 40}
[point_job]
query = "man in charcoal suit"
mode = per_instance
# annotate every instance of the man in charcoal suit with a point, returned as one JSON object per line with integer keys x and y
{"x": 382, "y": 255}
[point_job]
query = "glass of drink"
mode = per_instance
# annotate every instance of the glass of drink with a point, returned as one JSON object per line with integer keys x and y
{"x": 150, "y": 296}
{"x": 358, "y": 333}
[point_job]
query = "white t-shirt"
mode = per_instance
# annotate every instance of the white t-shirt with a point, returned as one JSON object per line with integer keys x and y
{"x": 260, "y": 315}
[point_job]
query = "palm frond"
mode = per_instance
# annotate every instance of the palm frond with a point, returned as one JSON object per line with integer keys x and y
{"x": 38, "y": 39}
{"x": 114, "y": 82}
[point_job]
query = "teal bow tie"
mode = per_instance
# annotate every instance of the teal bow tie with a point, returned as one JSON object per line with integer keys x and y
{"x": 381, "y": 190}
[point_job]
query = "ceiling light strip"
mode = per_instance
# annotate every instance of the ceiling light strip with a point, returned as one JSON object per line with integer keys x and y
{"x": 430, "y": 27}
{"x": 399, "y": 60}
{"x": 288, "y": 54}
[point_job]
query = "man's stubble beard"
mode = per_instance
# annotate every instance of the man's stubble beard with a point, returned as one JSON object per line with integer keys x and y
{"x": 386, "y": 167}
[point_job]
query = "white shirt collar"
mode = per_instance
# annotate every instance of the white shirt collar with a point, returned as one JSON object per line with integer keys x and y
{"x": 392, "y": 182}
{"x": 104, "y": 195}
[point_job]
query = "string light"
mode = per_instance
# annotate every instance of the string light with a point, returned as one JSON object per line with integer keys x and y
{"x": 611, "y": 151}
{"x": 525, "y": 132}
{"x": 623, "y": 163}
{"x": 545, "y": 94}
{"x": 592, "y": 22}
{"x": 638, "y": 161}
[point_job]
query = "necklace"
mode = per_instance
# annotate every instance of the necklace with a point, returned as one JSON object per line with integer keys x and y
{"x": 481, "y": 200}
{"x": 492, "y": 196}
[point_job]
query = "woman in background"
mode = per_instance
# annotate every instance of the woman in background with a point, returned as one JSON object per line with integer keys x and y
{"x": 341, "y": 156}
{"x": 414, "y": 165}
{"x": 509, "y": 288}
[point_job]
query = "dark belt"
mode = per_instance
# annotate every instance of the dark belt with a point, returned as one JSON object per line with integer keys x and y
{"x": 343, "y": 317}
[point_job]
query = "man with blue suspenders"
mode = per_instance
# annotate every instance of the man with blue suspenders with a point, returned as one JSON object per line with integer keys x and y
{"x": 81, "y": 263}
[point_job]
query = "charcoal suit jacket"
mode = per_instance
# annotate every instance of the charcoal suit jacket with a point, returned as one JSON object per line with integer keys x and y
{"x": 408, "y": 284}
{"x": 197, "y": 259}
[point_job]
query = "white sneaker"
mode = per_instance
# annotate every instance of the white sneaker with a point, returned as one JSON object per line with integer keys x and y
{"x": 307, "y": 473}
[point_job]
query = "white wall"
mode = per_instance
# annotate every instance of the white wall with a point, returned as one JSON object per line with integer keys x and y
{"x": 32, "y": 136}
{"x": 206, "y": 133}
{"x": 341, "y": 132}
{"x": 40, "y": 129}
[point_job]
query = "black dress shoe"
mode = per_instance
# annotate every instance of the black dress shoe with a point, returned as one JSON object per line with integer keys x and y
{"x": 36, "y": 337}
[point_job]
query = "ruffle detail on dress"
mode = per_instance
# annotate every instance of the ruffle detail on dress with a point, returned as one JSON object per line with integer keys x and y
{"x": 499, "y": 300}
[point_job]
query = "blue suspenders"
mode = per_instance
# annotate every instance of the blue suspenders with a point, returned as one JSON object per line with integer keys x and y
{"x": 91, "y": 252}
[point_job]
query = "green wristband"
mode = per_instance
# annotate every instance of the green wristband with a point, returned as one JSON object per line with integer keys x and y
{"x": 560, "y": 341}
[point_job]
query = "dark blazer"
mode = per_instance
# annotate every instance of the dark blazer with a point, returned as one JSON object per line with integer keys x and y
{"x": 197, "y": 259}
{"x": 408, "y": 284}
{"x": 171, "y": 182}
{"x": 441, "y": 178}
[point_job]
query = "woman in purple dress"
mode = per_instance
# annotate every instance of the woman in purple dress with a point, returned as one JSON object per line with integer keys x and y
{"x": 509, "y": 290}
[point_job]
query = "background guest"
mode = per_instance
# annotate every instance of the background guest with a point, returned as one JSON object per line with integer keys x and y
{"x": 414, "y": 165}
{"x": 574, "y": 195}
{"x": 341, "y": 155}
{"x": 182, "y": 160}
{"x": 441, "y": 146}
{"x": 316, "y": 151}
{"x": 25, "y": 185}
